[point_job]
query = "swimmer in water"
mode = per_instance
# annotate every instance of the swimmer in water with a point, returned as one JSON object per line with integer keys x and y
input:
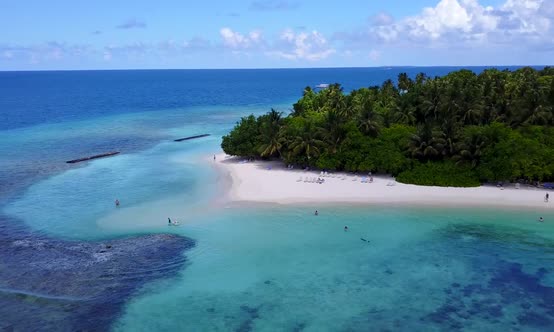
{"x": 169, "y": 222}
{"x": 116, "y": 202}
{"x": 316, "y": 213}
{"x": 346, "y": 228}
{"x": 541, "y": 219}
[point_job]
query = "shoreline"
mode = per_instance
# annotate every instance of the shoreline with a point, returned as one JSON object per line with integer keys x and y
{"x": 271, "y": 182}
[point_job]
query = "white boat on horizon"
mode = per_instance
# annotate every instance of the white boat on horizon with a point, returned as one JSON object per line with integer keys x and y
{"x": 322, "y": 86}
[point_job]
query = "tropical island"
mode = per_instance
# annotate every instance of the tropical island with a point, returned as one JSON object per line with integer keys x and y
{"x": 460, "y": 130}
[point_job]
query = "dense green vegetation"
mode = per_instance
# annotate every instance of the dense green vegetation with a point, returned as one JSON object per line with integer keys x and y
{"x": 456, "y": 130}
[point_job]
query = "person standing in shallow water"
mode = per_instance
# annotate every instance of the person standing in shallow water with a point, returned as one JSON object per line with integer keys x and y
{"x": 116, "y": 202}
{"x": 316, "y": 213}
{"x": 168, "y": 222}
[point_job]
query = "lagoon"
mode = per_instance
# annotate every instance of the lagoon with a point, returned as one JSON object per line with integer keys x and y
{"x": 254, "y": 267}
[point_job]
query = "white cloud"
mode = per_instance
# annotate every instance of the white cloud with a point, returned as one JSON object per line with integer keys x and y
{"x": 44, "y": 52}
{"x": 7, "y": 54}
{"x": 312, "y": 46}
{"x": 374, "y": 55}
{"x": 347, "y": 53}
{"x": 448, "y": 14}
{"x": 164, "y": 48}
{"x": 381, "y": 19}
{"x": 236, "y": 40}
{"x": 526, "y": 16}
{"x": 457, "y": 22}
{"x": 132, "y": 23}
{"x": 273, "y": 5}
{"x": 467, "y": 17}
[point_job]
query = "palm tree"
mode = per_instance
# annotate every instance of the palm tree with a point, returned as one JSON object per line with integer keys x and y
{"x": 425, "y": 146}
{"x": 540, "y": 115}
{"x": 332, "y": 130}
{"x": 472, "y": 115}
{"x": 272, "y": 146}
{"x": 366, "y": 116}
{"x": 470, "y": 150}
{"x": 307, "y": 142}
{"x": 404, "y": 111}
{"x": 270, "y": 133}
{"x": 368, "y": 122}
{"x": 420, "y": 78}
{"x": 404, "y": 82}
{"x": 431, "y": 103}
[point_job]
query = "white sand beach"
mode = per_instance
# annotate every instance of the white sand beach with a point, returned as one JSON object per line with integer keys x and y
{"x": 272, "y": 182}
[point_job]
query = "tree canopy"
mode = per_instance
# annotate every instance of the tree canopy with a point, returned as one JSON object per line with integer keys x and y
{"x": 457, "y": 130}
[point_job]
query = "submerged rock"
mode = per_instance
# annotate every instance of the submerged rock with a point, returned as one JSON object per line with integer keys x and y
{"x": 50, "y": 284}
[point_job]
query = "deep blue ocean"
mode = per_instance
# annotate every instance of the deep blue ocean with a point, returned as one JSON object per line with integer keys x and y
{"x": 228, "y": 267}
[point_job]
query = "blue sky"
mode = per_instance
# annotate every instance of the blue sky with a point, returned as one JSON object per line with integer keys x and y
{"x": 69, "y": 34}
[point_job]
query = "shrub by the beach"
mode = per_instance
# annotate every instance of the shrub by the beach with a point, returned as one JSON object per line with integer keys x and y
{"x": 444, "y": 174}
{"x": 388, "y": 153}
{"x": 515, "y": 156}
{"x": 244, "y": 139}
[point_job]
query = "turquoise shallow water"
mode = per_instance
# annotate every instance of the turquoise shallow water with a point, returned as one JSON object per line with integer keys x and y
{"x": 258, "y": 267}
{"x": 283, "y": 269}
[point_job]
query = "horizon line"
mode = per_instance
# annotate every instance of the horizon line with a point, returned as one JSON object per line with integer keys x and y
{"x": 269, "y": 68}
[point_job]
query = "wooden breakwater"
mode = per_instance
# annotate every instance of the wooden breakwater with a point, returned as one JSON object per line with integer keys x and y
{"x": 108, "y": 154}
{"x": 191, "y": 137}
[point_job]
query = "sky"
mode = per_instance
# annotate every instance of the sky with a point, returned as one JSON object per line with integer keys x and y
{"x": 164, "y": 34}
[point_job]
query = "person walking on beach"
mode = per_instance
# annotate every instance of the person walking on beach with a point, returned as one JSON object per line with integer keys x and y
{"x": 116, "y": 202}
{"x": 546, "y": 197}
